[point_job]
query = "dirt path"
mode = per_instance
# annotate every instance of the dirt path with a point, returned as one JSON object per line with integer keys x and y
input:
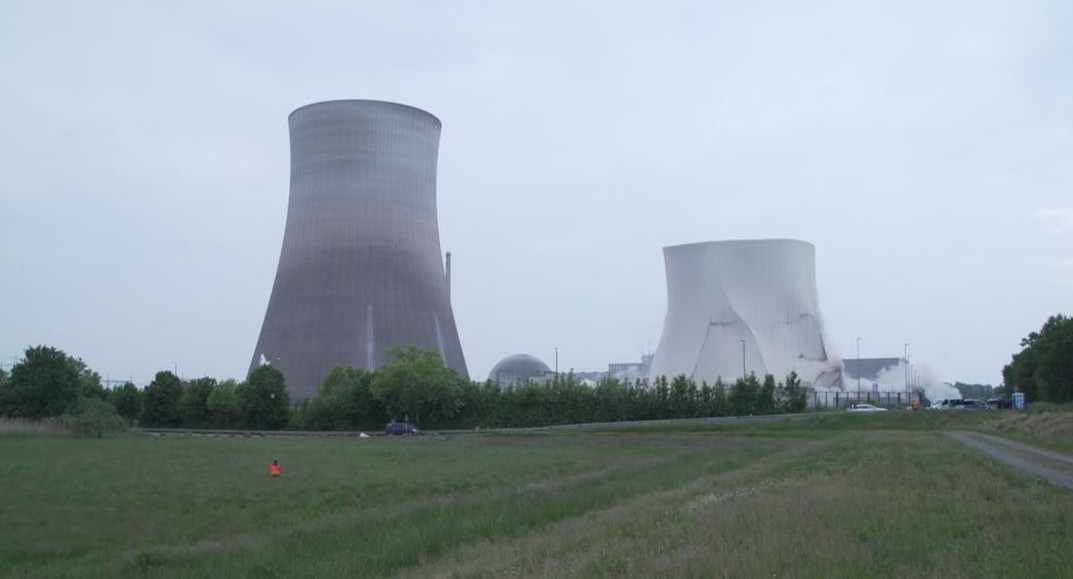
{"x": 1053, "y": 466}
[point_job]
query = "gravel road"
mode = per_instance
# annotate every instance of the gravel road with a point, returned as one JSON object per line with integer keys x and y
{"x": 1053, "y": 466}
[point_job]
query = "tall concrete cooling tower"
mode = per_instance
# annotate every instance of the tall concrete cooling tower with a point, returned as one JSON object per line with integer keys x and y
{"x": 360, "y": 271}
{"x": 762, "y": 292}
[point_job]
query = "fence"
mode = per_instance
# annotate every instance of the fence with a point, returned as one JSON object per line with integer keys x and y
{"x": 844, "y": 399}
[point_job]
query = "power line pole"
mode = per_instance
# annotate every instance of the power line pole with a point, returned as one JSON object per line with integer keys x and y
{"x": 858, "y": 369}
{"x": 743, "y": 372}
{"x": 905, "y": 358}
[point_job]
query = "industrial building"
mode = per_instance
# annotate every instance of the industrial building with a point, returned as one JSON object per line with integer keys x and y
{"x": 361, "y": 270}
{"x": 736, "y": 308}
{"x": 631, "y": 371}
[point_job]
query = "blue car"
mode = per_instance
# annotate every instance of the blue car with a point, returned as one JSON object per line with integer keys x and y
{"x": 401, "y": 428}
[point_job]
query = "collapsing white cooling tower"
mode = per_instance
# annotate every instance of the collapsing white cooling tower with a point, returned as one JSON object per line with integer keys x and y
{"x": 761, "y": 292}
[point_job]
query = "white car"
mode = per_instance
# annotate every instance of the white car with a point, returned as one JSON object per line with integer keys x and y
{"x": 865, "y": 408}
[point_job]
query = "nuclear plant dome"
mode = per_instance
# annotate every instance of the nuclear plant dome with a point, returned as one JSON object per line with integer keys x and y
{"x": 518, "y": 368}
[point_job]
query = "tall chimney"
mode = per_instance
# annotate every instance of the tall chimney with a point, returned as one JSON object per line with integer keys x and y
{"x": 448, "y": 277}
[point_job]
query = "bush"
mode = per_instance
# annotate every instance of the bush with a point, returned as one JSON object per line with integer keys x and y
{"x": 90, "y": 417}
{"x": 1049, "y": 407}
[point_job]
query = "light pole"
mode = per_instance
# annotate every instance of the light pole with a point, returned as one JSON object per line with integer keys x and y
{"x": 905, "y": 357}
{"x": 556, "y": 361}
{"x": 858, "y": 369}
{"x": 743, "y": 373}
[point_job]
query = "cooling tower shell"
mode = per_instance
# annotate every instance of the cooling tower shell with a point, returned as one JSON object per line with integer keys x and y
{"x": 723, "y": 292}
{"x": 360, "y": 271}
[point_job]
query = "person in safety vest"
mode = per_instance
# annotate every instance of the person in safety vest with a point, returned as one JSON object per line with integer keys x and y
{"x": 275, "y": 469}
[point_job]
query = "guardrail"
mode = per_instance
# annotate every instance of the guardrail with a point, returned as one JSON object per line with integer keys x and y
{"x": 254, "y": 433}
{"x": 626, "y": 424}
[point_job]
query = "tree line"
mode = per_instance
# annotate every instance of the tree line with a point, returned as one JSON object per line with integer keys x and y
{"x": 977, "y": 391}
{"x": 416, "y": 386}
{"x": 47, "y": 384}
{"x": 353, "y": 399}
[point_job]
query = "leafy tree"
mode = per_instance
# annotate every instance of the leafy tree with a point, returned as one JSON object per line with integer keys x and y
{"x": 299, "y": 419}
{"x": 128, "y": 401}
{"x": 681, "y": 399}
{"x": 89, "y": 382}
{"x": 704, "y": 400}
{"x": 661, "y": 406}
{"x": 222, "y": 404}
{"x": 1020, "y": 374}
{"x": 765, "y": 399}
{"x": 417, "y": 383}
{"x": 193, "y": 406}
{"x": 1043, "y": 369}
{"x": 483, "y": 405}
{"x": 263, "y": 401}
{"x": 4, "y": 391}
{"x": 345, "y": 401}
{"x": 794, "y": 396}
{"x": 1054, "y": 371}
{"x": 612, "y": 400}
{"x": 720, "y": 404}
{"x": 160, "y": 401}
{"x": 744, "y": 395}
{"x": 44, "y": 383}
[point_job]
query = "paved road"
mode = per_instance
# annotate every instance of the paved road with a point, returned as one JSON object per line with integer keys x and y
{"x": 1053, "y": 466}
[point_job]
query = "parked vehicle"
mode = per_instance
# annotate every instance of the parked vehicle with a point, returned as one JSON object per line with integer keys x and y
{"x": 959, "y": 404}
{"x": 401, "y": 428}
{"x": 998, "y": 403}
{"x": 865, "y": 408}
{"x": 946, "y": 404}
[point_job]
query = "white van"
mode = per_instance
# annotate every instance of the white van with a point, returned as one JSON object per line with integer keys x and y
{"x": 946, "y": 404}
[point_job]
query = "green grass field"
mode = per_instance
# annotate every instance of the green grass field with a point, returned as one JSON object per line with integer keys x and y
{"x": 839, "y": 496}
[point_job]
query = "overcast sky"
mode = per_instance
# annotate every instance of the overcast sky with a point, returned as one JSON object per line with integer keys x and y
{"x": 925, "y": 148}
